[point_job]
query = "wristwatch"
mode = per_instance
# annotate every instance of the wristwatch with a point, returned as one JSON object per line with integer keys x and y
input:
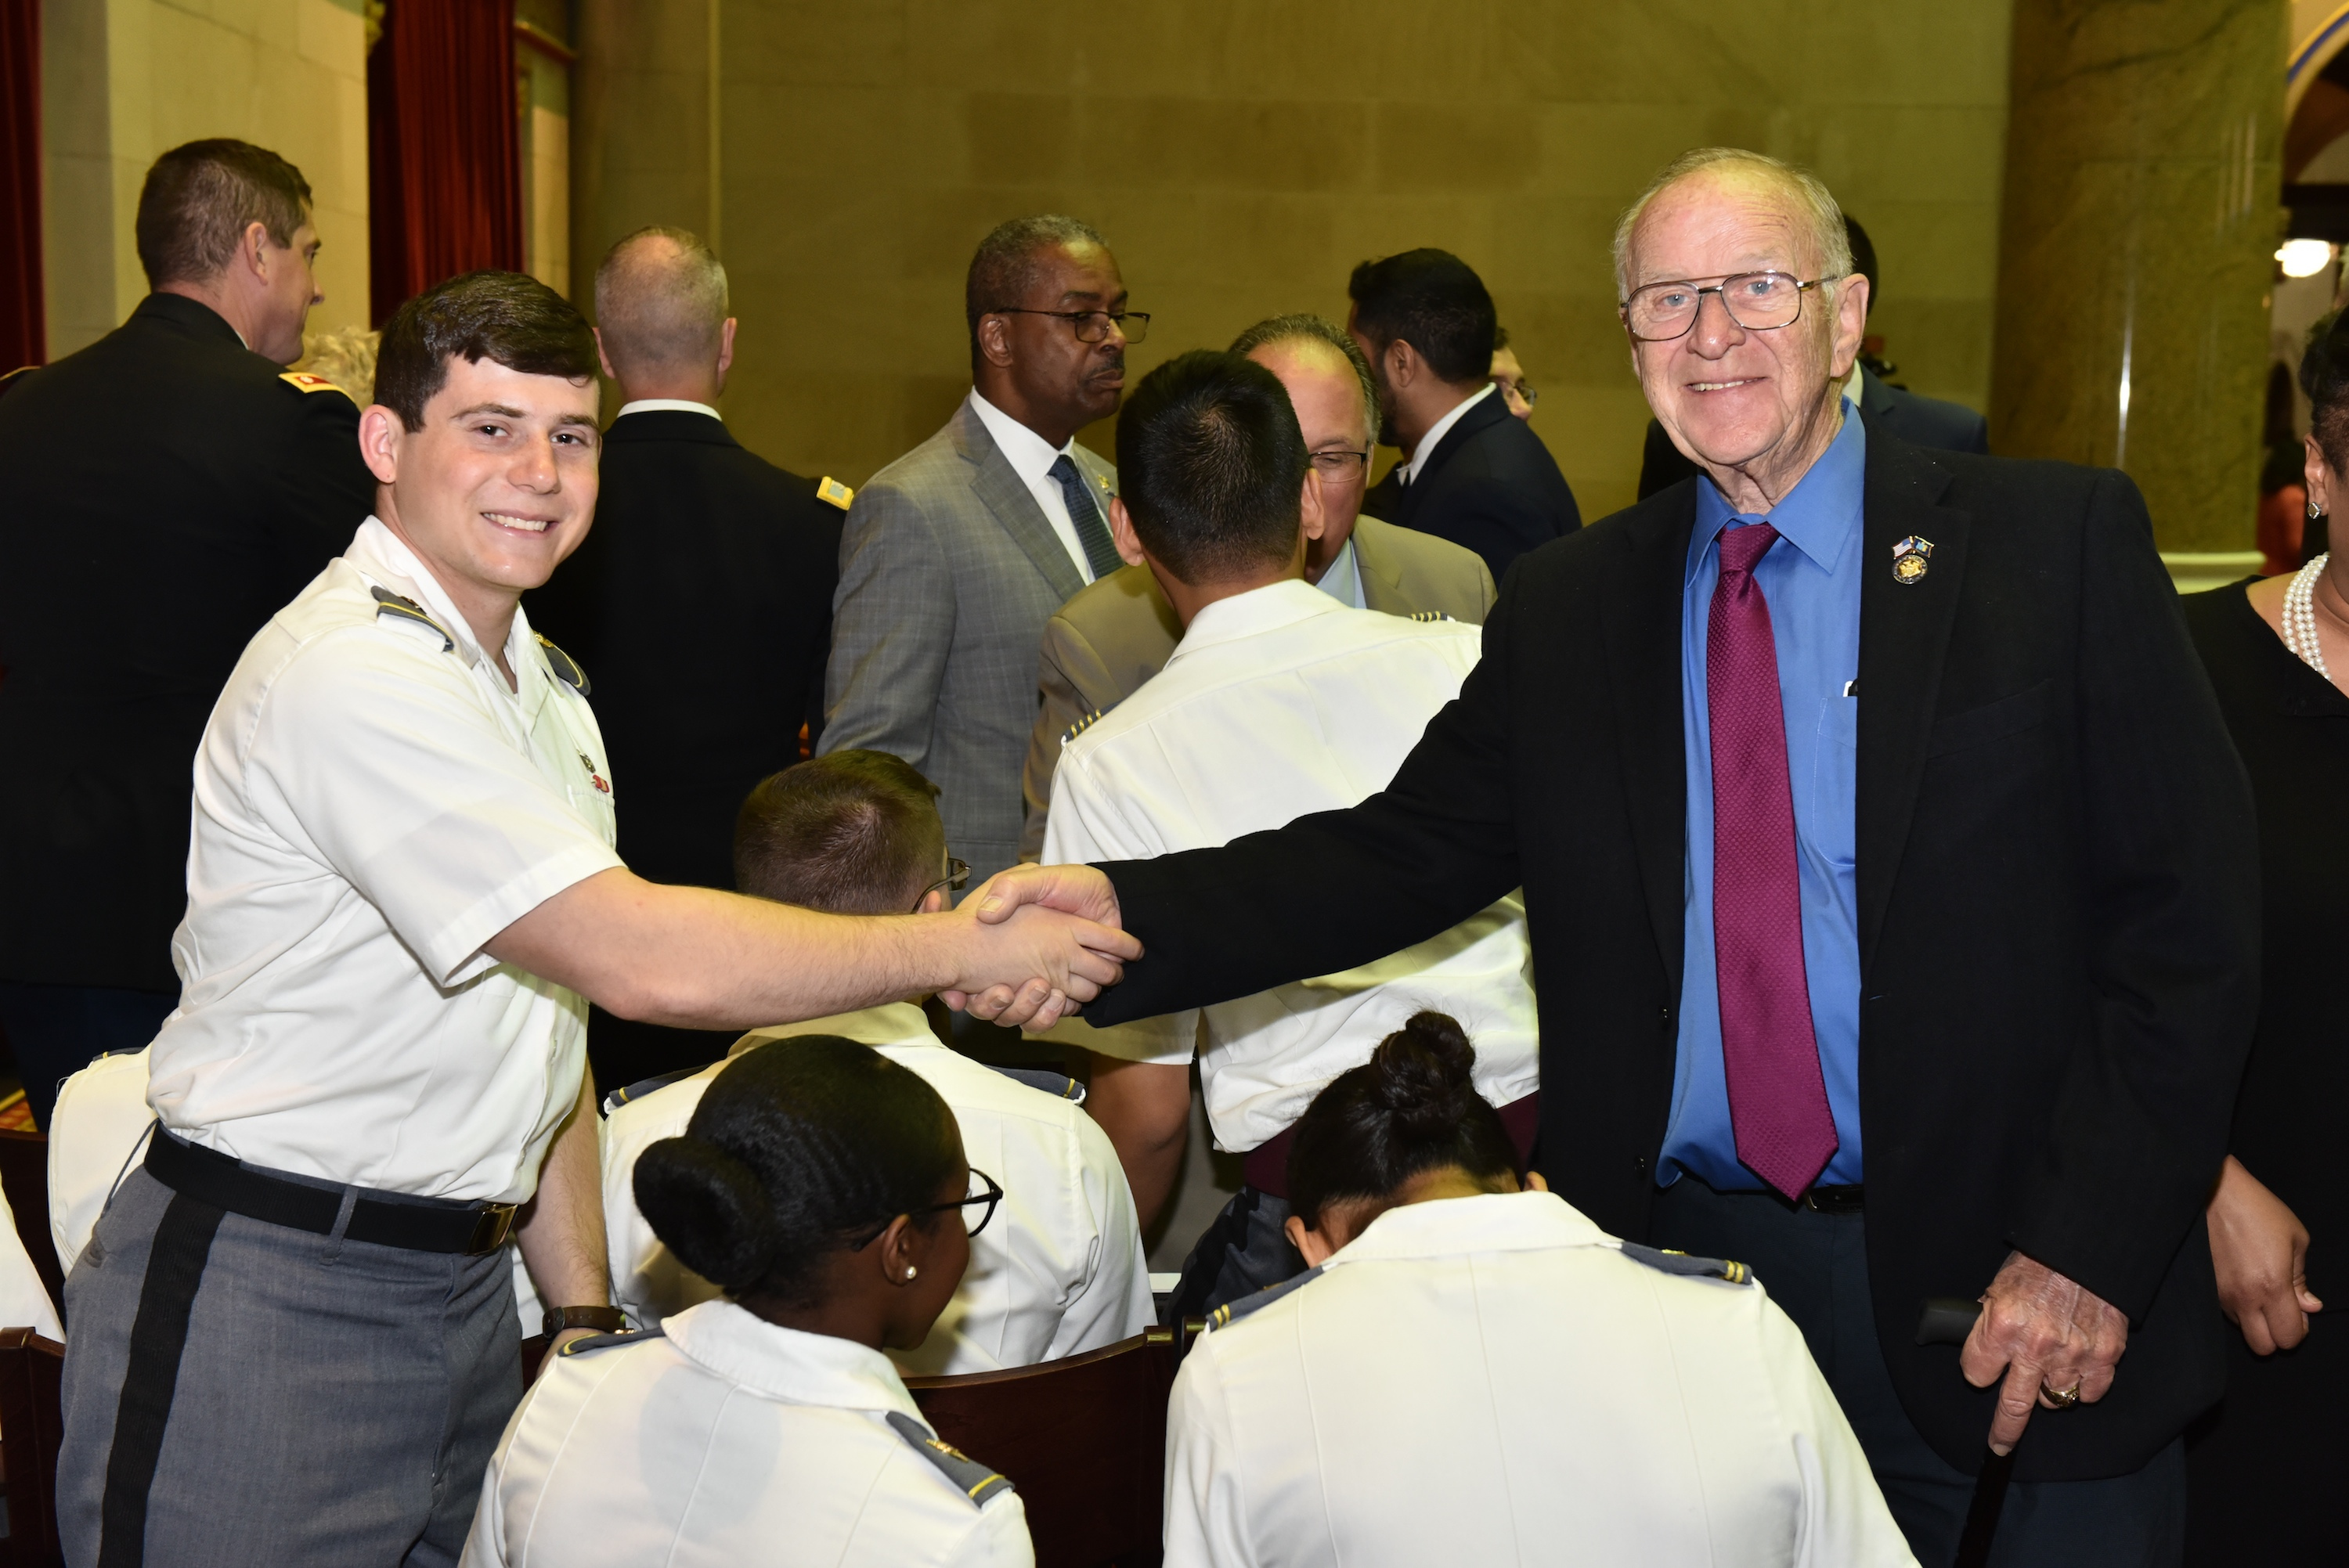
{"x": 602, "y": 1319}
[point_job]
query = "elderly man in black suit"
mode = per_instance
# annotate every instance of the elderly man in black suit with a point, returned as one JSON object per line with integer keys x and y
{"x": 1470, "y": 473}
{"x": 1891, "y": 886}
{"x": 701, "y": 604}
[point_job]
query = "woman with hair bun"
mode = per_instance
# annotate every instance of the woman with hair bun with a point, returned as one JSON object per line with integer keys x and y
{"x": 824, "y": 1188}
{"x": 1472, "y": 1372}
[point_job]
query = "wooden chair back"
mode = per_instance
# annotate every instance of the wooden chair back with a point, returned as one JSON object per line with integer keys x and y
{"x": 24, "y": 1176}
{"x": 1083, "y": 1439}
{"x": 32, "y": 1425}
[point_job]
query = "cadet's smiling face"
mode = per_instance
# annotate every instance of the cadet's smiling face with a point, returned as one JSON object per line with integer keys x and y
{"x": 496, "y": 489}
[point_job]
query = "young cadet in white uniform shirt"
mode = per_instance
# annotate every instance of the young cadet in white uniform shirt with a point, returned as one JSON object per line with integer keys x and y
{"x": 1062, "y": 1270}
{"x": 1279, "y": 701}
{"x": 825, "y": 1187}
{"x": 1473, "y": 1373}
{"x": 401, "y": 885}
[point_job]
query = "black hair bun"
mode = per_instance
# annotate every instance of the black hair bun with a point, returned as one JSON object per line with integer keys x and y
{"x": 709, "y": 1208}
{"x": 1419, "y": 1072}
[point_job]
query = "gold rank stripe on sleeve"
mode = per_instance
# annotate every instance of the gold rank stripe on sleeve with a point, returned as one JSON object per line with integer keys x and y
{"x": 833, "y": 491}
{"x": 303, "y": 381}
{"x": 975, "y": 1480}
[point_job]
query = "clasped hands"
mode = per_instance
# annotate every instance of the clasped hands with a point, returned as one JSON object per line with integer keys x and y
{"x": 1057, "y": 925}
{"x": 2040, "y": 1334}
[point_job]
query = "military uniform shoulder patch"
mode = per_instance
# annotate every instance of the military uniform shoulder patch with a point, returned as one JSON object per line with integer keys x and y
{"x": 1044, "y": 1080}
{"x": 303, "y": 381}
{"x": 831, "y": 490}
{"x": 977, "y": 1482}
{"x": 1673, "y": 1262}
{"x": 643, "y": 1086}
{"x": 1081, "y": 725}
{"x": 566, "y": 668}
{"x": 387, "y": 603}
{"x": 1429, "y": 615}
{"x": 596, "y": 1342}
{"x": 1231, "y": 1312}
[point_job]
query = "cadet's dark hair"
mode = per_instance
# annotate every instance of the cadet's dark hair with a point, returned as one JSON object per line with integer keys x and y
{"x": 1009, "y": 261}
{"x": 1411, "y": 1108}
{"x": 1863, "y": 260}
{"x": 201, "y": 197}
{"x": 799, "y": 1148}
{"x": 2324, "y": 376}
{"x": 1210, "y": 465}
{"x": 507, "y": 317}
{"x": 855, "y": 832}
{"x": 1431, "y": 300}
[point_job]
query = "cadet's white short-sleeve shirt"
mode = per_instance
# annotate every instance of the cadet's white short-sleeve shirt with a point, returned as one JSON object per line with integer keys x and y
{"x": 372, "y": 804}
{"x": 736, "y": 1442}
{"x": 1276, "y": 703}
{"x": 1491, "y": 1380}
{"x": 1060, "y": 1270}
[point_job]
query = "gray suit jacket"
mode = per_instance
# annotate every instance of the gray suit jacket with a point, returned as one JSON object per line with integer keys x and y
{"x": 948, "y": 569}
{"x": 1102, "y": 644}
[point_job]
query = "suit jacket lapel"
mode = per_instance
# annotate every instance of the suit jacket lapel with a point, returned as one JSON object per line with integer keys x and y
{"x": 1642, "y": 628}
{"x": 1904, "y": 634}
{"x": 1014, "y": 506}
{"x": 1481, "y": 417}
{"x": 1381, "y": 578}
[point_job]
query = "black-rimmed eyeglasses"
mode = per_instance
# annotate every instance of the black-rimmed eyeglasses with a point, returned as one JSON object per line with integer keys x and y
{"x": 1337, "y": 463}
{"x": 1092, "y": 325}
{"x": 1758, "y": 301}
{"x": 990, "y": 1196}
{"x": 958, "y": 878}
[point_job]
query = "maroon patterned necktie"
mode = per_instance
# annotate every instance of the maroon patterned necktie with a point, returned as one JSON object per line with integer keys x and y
{"x": 1777, "y": 1098}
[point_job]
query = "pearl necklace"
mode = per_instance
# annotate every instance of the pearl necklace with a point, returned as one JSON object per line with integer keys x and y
{"x": 2299, "y": 616}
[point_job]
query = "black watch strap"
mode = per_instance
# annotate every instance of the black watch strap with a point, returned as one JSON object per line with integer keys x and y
{"x": 602, "y": 1319}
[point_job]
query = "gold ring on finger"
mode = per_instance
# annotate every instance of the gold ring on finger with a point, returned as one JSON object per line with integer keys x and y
{"x": 2061, "y": 1398}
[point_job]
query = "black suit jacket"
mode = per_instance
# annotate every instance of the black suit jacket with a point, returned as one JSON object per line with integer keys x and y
{"x": 163, "y": 493}
{"x": 1920, "y": 421}
{"x": 2058, "y": 905}
{"x": 700, "y": 607}
{"x": 1490, "y": 485}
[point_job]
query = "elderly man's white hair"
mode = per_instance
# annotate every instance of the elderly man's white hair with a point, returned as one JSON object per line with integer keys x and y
{"x": 660, "y": 306}
{"x": 1814, "y": 204}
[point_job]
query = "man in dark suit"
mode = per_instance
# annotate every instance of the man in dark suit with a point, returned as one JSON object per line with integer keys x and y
{"x": 701, "y": 604}
{"x": 1857, "y": 792}
{"x": 1920, "y": 421}
{"x": 162, "y": 492}
{"x": 1470, "y": 473}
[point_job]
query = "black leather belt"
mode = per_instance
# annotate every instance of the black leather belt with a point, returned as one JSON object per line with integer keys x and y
{"x": 1834, "y": 1200}
{"x": 427, "y": 1226}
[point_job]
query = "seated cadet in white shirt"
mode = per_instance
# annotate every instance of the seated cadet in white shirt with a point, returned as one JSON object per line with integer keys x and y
{"x": 1279, "y": 701}
{"x": 824, "y": 1188}
{"x": 1473, "y": 1372}
{"x": 1062, "y": 1270}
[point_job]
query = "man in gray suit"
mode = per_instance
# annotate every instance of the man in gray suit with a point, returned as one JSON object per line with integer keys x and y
{"x": 1104, "y": 642}
{"x": 954, "y": 555}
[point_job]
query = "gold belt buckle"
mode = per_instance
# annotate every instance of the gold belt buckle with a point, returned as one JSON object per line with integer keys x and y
{"x": 491, "y": 1227}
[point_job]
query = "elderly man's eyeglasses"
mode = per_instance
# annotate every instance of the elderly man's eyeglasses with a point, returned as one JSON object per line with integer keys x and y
{"x": 958, "y": 878}
{"x": 1338, "y": 464}
{"x": 1092, "y": 325}
{"x": 1754, "y": 300}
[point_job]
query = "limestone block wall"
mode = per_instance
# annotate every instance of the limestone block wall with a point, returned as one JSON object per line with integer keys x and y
{"x": 1241, "y": 155}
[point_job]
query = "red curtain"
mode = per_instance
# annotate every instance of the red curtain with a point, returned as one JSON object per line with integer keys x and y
{"x": 443, "y": 153}
{"x": 24, "y": 338}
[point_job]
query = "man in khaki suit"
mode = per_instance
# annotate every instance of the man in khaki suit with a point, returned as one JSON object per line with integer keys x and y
{"x": 1118, "y": 632}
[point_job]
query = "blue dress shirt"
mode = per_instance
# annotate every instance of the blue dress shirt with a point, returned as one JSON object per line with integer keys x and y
{"x": 1811, "y": 580}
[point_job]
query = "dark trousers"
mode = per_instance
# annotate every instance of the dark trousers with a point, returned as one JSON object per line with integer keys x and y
{"x": 1815, "y": 1268}
{"x": 1244, "y": 1251}
{"x": 55, "y": 1030}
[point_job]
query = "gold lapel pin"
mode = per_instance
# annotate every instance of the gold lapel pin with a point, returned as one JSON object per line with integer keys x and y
{"x": 1911, "y": 560}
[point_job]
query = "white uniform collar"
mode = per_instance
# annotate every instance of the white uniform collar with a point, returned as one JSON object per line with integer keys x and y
{"x": 893, "y": 1024}
{"x": 788, "y": 1363}
{"x": 382, "y": 557}
{"x": 1488, "y": 1223}
{"x": 1257, "y": 610}
{"x": 1440, "y": 428}
{"x": 1031, "y": 456}
{"x": 668, "y": 405}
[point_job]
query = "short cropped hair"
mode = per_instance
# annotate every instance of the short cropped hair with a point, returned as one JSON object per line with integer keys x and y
{"x": 507, "y": 317}
{"x": 1306, "y": 328}
{"x": 855, "y": 832}
{"x": 1009, "y": 261}
{"x": 1431, "y": 300}
{"x": 668, "y": 314}
{"x": 201, "y": 197}
{"x": 1815, "y": 206}
{"x": 1210, "y": 464}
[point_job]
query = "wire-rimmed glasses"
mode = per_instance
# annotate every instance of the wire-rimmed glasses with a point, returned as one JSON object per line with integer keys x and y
{"x": 1758, "y": 301}
{"x": 1338, "y": 465}
{"x": 958, "y": 878}
{"x": 1090, "y": 326}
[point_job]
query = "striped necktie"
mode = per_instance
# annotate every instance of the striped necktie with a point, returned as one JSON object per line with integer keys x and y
{"x": 1101, "y": 550}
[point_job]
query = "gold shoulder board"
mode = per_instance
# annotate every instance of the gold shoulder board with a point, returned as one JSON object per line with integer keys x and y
{"x": 1429, "y": 615}
{"x": 1080, "y": 726}
{"x": 303, "y": 381}
{"x": 832, "y": 491}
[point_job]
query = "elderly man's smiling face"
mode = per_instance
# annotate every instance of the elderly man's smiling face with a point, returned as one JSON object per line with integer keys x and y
{"x": 1751, "y": 405}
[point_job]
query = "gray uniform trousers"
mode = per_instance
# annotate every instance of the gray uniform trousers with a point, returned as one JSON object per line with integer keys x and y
{"x": 334, "y": 1402}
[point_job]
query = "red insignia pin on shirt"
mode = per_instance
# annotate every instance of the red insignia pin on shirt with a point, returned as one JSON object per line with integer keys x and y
{"x": 593, "y": 777}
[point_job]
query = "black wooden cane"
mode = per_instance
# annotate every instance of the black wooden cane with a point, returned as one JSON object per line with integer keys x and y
{"x": 1948, "y": 1320}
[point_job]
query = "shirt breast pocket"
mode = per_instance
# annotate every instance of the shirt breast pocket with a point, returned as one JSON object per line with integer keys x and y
{"x": 1835, "y": 777}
